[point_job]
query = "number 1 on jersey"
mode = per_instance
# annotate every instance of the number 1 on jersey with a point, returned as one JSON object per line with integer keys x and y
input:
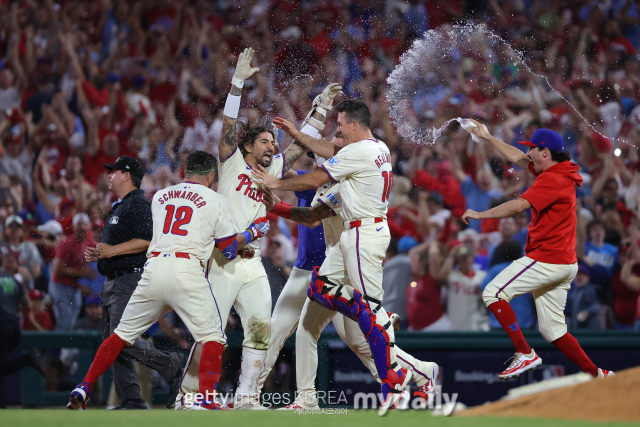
{"x": 183, "y": 216}
{"x": 388, "y": 183}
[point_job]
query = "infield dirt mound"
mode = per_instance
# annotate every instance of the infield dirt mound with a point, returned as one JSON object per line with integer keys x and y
{"x": 608, "y": 399}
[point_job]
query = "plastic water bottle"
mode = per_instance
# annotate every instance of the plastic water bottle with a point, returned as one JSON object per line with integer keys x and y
{"x": 468, "y": 125}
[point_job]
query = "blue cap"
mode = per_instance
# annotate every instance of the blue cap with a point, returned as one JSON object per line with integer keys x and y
{"x": 113, "y": 78}
{"x": 406, "y": 243}
{"x": 545, "y": 138}
{"x": 138, "y": 81}
{"x": 93, "y": 299}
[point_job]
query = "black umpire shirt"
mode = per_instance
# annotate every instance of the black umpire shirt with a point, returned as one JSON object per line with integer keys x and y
{"x": 128, "y": 219}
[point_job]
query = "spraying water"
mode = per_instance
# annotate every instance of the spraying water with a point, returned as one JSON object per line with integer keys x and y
{"x": 427, "y": 75}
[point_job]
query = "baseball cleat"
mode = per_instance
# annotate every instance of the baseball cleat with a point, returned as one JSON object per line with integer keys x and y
{"x": 520, "y": 363}
{"x": 392, "y": 388}
{"x": 603, "y": 373}
{"x": 403, "y": 402}
{"x": 296, "y": 407}
{"x": 203, "y": 405}
{"x": 79, "y": 397}
{"x": 249, "y": 406}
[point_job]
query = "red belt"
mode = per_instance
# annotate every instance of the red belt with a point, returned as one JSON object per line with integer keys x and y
{"x": 358, "y": 223}
{"x": 177, "y": 255}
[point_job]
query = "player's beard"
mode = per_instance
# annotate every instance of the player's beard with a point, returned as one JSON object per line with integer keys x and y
{"x": 264, "y": 163}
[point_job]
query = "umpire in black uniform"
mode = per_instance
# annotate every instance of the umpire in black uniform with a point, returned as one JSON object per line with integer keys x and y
{"x": 121, "y": 257}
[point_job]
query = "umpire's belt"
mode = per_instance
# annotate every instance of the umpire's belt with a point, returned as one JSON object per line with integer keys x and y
{"x": 176, "y": 254}
{"x": 359, "y": 223}
{"x": 121, "y": 272}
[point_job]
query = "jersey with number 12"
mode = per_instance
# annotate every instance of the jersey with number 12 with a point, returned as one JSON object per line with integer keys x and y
{"x": 363, "y": 169}
{"x": 187, "y": 218}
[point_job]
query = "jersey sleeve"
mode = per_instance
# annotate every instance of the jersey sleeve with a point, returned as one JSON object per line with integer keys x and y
{"x": 222, "y": 223}
{"x": 331, "y": 198}
{"x": 343, "y": 164}
{"x": 542, "y": 193}
{"x": 231, "y": 162}
{"x": 276, "y": 168}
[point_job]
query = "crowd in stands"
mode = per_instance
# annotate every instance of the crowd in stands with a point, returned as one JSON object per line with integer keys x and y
{"x": 85, "y": 81}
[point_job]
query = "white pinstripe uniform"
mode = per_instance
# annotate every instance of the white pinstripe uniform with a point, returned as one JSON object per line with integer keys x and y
{"x": 242, "y": 282}
{"x": 186, "y": 219}
{"x": 310, "y": 319}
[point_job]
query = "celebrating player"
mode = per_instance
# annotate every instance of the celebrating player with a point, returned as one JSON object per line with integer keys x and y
{"x": 188, "y": 220}
{"x": 550, "y": 263}
{"x": 363, "y": 168}
{"x": 312, "y": 319}
{"x": 243, "y": 282}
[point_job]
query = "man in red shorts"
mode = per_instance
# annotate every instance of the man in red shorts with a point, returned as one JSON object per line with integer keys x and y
{"x": 550, "y": 263}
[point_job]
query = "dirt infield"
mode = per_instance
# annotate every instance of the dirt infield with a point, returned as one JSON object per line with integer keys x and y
{"x": 610, "y": 399}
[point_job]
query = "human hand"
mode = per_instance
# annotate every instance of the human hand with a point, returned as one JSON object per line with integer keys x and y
{"x": 269, "y": 199}
{"x": 91, "y": 254}
{"x": 481, "y": 130}
{"x": 289, "y": 128}
{"x": 105, "y": 250}
{"x": 470, "y": 214}
{"x": 243, "y": 68}
{"x": 325, "y": 99}
{"x": 262, "y": 177}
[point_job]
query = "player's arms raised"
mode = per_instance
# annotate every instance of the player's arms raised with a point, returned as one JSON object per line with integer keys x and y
{"x": 304, "y": 182}
{"x": 512, "y": 154}
{"x": 320, "y": 147}
{"x": 229, "y": 135}
{"x": 313, "y": 123}
{"x": 504, "y": 210}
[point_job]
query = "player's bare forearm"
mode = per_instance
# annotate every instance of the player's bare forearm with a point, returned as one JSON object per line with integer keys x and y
{"x": 320, "y": 147}
{"x": 292, "y": 154}
{"x": 311, "y": 217}
{"x": 229, "y": 134}
{"x": 509, "y": 152}
{"x": 307, "y": 181}
{"x": 504, "y": 210}
{"x": 133, "y": 246}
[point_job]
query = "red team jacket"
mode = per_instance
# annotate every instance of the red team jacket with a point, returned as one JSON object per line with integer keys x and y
{"x": 552, "y": 232}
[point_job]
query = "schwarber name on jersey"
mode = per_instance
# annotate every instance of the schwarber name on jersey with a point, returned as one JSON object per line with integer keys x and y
{"x": 187, "y": 218}
{"x": 236, "y": 185}
{"x": 364, "y": 171}
{"x": 329, "y": 195}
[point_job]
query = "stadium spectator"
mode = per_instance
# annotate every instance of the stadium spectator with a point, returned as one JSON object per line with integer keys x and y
{"x": 69, "y": 267}
{"x": 583, "y": 305}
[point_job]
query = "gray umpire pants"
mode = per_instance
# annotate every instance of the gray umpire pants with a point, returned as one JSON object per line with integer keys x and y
{"x": 115, "y": 295}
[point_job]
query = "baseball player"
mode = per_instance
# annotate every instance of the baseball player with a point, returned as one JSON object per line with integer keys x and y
{"x": 188, "y": 220}
{"x": 550, "y": 263}
{"x": 243, "y": 283}
{"x": 363, "y": 168}
{"x": 320, "y": 224}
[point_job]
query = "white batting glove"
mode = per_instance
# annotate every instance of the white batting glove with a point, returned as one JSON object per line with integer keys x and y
{"x": 323, "y": 104}
{"x": 325, "y": 99}
{"x": 243, "y": 69}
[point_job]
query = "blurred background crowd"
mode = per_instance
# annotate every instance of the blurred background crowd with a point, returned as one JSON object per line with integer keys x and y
{"x": 85, "y": 81}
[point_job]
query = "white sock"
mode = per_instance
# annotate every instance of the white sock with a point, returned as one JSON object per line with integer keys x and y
{"x": 252, "y": 366}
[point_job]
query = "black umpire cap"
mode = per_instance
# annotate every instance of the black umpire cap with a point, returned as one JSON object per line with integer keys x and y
{"x": 127, "y": 164}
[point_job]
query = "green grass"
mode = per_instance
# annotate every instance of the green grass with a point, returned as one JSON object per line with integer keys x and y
{"x": 362, "y": 418}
